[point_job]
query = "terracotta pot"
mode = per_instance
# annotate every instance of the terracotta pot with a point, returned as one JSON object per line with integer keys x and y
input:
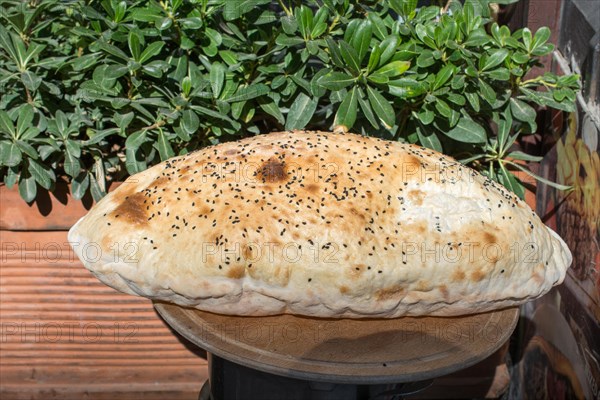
{"x": 65, "y": 335}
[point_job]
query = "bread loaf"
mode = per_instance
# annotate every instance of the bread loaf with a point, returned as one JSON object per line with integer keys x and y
{"x": 322, "y": 225}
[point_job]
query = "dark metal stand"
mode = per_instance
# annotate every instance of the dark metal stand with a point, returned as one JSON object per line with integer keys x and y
{"x": 231, "y": 381}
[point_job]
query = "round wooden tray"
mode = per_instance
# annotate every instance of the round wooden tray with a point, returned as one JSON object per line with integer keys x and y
{"x": 357, "y": 351}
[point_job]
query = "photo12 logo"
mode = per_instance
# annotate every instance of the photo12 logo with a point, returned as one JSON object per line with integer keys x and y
{"x": 68, "y": 332}
{"x": 253, "y": 252}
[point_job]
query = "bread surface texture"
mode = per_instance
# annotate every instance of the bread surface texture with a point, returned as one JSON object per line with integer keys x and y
{"x": 322, "y": 225}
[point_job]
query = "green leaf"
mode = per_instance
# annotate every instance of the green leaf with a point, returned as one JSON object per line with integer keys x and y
{"x": 272, "y": 109}
{"x": 33, "y": 50}
{"x": 72, "y": 165}
{"x": 495, "y": 58}
{"x": 186, "y": 86}
{"x": 305, "y": 21}
{"x": 123, "y": 120}
{"x": 301, "y": 112}
{"x": 443, "y": 108}
{"x": 379, "y": 28}
{"x": 7, "y": 44}
{"x": 245, "y": 93}
{"x": 373, "y": 59}
{"x": 10, "y": 154}
{"x": 520, "y": 58}
{"x": 504, "y": 129}
{"x": 336, "y": 80}
{"x": 430, "y": 140}
{"x": 366, "y": 109}
{"x": 425, "y": 59}
{"x": 521, "y": 110}
{"x": 511, "y": 182}
{"x": 467, "y": 131}
{"x": 96, "y": 190}
{"x": 519, "y": 155}
{"x": 289, "y": 25}
{"x": 478, "y": 38}
{"x": 234, "y": 9}
{"x": 406, "y": 88}
{"x": 350, "y": 56}
{"x": 335, "y": 53}
{"x": 146, "y": 14}
{"x": 443, "y": 76}
{"x": 541, "y": 37}
{"x": 133, "y": 40}
{"x": 361, "y": 40}
{"x": 473, "y": 99}
{"x": 80, "y": 185}
{"x": 119, "y": 8}
{"x": 27, "y": 187}
{"x": 539, "y": 178}
{"x": 543, "y": 50}
{"x": 382, "y": 107}
{"x": 190, "y": 122}
{"x": 135, "y": 140}
{"x": 284, "y": 40}
{"x": 30, "y": 80}
{"x": 113, "y": 50}
{"x": 346, "y": 112}
{"x": 24, "y": 120}
{"x": 527, "y": 39}
{"x": 217, "y": 78}
{"x": 388, "y": 48}
{"x": 164, "y": 147}
{"x": 150, "y": 51}
{"x": 393, "y": 69}
{"x": 488, "y": 93}
{"x": 425, "y": 115}
{"x": 28, "y": 149}
{"x": 191, "y": 23}
{"x": 6, "y": 124}
{"x": 500, "y": 74}
{"x": 41, "y": 174}
{"x": 85, "y": 61}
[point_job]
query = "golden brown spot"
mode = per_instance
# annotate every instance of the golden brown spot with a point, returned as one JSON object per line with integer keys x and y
{"x": 248, "y": 253}
{"x": 410, "y": 168}
{"x": 354, "y": 211}
{"x": 312, "y": 188}
{"x": 444, "y": 291}
{"x": 132, "y": 209}
{"x": 272, "y": 171}
{"x": 477, "y": 275}
{"x": 416, "y": 196}
{"x": 236, "y": 272}
{"x": 489, "y": 237}
{"x": 421, "y": 228}
{"x": 344, "y": 289}
{"x": 388, "y": 293}
{"x": 159, "y": 182}
{"x": 423, "y": 286}
{"x": 458, "y": 275}
{"x": 230, "y": 152}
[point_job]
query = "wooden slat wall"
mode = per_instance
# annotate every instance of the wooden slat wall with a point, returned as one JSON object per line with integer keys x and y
{"x": 65, "y": 335}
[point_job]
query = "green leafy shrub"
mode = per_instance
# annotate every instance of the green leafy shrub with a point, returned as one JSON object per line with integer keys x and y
{"x": 97, "y": 90}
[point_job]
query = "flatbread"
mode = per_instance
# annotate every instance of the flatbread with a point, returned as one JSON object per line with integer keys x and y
{"x": 323, "y": 225}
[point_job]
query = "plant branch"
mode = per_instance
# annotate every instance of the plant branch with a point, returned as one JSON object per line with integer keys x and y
{"x": 285, "y": 9}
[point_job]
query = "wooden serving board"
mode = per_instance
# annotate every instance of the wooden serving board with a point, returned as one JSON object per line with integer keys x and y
{"x": 357, "y": 351}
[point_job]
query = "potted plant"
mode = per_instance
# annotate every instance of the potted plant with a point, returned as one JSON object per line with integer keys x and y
{"x": 96, "y": 91}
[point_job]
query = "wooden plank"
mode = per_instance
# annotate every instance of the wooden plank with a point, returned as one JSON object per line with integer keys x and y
{"x": 49, "y": 211}
{"x": 66, "y": 335}
{"x": 110, "y": 382}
